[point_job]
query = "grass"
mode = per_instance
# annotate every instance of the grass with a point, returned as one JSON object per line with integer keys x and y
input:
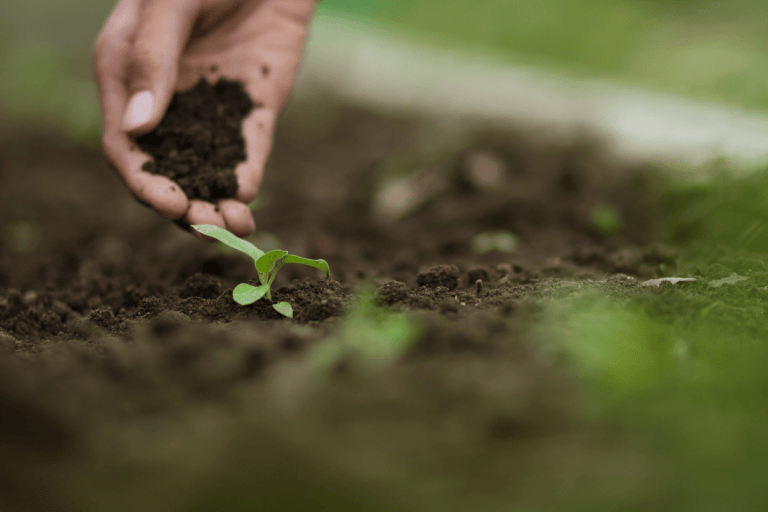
{"x": 685, "y": 364}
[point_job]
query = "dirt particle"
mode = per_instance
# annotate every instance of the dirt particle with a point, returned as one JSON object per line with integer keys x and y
{"x": 265, "y": 70}
{"x": 103, "y": 317}
{"x": 214, "y": 68}
{"x": 440, "y": 275}
{"x": 392, "y": 292}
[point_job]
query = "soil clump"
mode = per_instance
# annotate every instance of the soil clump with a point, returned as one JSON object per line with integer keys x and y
{"x": 199, "y": 142}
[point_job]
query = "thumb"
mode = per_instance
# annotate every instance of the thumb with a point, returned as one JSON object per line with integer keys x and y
{"x": 164, "y": 29}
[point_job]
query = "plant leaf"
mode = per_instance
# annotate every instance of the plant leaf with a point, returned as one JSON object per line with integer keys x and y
{"x": 284, "y": 309}
{"x": 319, "y": 264}
{"x": 245, "y": 294}
{"x": 266, "y": 263}
{"x": 225, "y": 237}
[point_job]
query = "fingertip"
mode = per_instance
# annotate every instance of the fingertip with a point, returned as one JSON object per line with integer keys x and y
{"x": 203, "y": 212}
{"x": 248, "y": 181}
{"x": 165, "y": 196}
{"x": 237, "y": 217}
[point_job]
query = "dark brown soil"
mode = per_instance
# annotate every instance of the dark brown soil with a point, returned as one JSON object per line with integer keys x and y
{"x": 130, "y": 379}
{"x": 199, "y": 141}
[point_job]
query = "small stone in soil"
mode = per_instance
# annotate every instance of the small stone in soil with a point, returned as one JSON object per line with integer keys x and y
{"x": 199, "y": 142}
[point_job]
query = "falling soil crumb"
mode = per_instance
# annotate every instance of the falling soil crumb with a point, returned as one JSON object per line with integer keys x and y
{"x": 199, "y": 142}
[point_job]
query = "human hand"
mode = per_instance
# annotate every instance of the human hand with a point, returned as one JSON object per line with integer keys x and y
{"x": 148, "y": 49}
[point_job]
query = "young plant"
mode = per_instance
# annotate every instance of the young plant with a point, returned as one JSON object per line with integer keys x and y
{"x": 267, "y": 266}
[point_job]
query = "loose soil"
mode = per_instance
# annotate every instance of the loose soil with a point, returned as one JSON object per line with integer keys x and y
{"x": 130, "y": 379}
{"x": 199, "y": 141}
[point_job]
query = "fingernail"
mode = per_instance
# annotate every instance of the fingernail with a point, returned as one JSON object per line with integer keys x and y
{"x": 139, "y": 110}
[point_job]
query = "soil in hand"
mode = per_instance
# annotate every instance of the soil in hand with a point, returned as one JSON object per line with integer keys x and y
{"x": 199, "y": 141}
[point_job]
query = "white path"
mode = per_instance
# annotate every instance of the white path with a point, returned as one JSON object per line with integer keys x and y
{"x": 387, "y": 70}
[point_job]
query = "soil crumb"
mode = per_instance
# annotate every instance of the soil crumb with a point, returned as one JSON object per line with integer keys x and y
{"x": 199, "y": 141}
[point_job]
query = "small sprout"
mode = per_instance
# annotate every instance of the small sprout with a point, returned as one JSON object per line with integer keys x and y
{"x": 267, "y": 266}
{"x": 479, "y": 287}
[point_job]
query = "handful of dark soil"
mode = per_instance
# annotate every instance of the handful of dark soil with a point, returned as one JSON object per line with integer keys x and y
{"x": 199, "y": 141}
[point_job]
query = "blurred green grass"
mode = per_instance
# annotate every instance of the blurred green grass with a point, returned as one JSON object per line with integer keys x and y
{"x": 684, "y": 366}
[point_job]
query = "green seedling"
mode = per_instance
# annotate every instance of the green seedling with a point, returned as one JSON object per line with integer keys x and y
{"x": 267, "y": 266}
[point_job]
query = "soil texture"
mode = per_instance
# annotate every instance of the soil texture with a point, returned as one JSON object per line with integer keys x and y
{"x": 130, "y": 379}
{"x": 199, "y": 142}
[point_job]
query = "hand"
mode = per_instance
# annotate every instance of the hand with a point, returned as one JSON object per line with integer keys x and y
{"x": 148, "y": 49}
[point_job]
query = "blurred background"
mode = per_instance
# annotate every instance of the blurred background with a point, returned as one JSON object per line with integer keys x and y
{"x": 714, "y": 51}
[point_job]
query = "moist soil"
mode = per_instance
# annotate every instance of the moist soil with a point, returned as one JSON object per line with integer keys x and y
{"x": 199, "y": 141}
{"x": 130, "y": 379}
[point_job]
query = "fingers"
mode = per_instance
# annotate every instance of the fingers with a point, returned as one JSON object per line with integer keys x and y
{"x": 237, "y": 217}
{"x": 258, "y": 130}
{"x": 228, "y": 214}
{"x": 163, "y": 31}
{"x": 112, "y": 52}
{"x": 203, "y": 212}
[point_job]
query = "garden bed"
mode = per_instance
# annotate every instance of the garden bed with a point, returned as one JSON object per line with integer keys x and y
{"x": 130, "y": 379}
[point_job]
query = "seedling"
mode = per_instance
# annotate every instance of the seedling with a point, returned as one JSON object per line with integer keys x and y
{"x": 267, "y": 266}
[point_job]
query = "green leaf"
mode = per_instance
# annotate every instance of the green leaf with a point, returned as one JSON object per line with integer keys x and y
{"x": 284, "y": 309}
{"x": 225, "y": 237}
{"x": 266, "y": 263}
{"x": 245, "y": 294}
{"x": 319, "y": 264}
